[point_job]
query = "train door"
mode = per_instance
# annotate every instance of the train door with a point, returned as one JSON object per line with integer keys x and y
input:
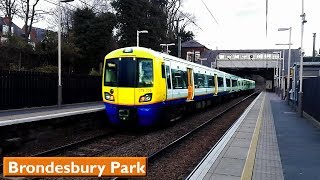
{"x": 216, "y": 85}
{"x": 190, "y": 84}
{"x": 224, "y": 82}
{"x": 168, "y": 80}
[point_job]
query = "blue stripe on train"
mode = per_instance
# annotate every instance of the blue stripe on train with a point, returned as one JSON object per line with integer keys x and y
{"x": 151, "y": 113}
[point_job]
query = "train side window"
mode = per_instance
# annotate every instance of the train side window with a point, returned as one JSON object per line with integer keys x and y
{"x": 210, "y": 81}
{"x": 195, "y": 76}
{"x": 163, "y": 72}
{"x": 234, "y": 83}
{"x": 179, "y": 79}
{"x": 220, "y": 82}
{"x": 206, "y": 84}
{"x": 168, "y": 76}
{"x": 228, "y": 82}
{"x": 184, "y": 79}
{"x": 201, "y": 80}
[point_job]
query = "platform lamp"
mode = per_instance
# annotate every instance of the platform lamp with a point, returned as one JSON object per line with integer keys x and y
{"x": 167, "y": 46}
{"x": 59, "y": 52}
{"x": 283, "y": 65}
{"x": 278, "y": 71}
{"x": 289, "y": 60}
{"x": 138, "y": 32}
{"x": 303, "y": 21}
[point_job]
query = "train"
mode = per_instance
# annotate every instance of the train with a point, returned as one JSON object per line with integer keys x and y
{"x": 142, "y": 87}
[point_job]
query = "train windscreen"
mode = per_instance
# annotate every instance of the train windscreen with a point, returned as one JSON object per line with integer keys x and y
{"x": 128, "y": 72}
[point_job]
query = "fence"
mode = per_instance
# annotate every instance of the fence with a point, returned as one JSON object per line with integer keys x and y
{"x": 20, "y": 89}
{"x": 311, "y": 97}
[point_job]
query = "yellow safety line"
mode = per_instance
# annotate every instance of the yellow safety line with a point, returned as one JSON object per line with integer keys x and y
{"x": 248, "y": 166}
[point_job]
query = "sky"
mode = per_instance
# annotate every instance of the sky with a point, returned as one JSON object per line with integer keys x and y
{"x": 241, "y": 23}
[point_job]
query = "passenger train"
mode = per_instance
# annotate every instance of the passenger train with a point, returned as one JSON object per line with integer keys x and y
{"x": 142, "y": 87}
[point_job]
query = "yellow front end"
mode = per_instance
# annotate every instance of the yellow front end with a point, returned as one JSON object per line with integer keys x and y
{"x": 133, "y": 87}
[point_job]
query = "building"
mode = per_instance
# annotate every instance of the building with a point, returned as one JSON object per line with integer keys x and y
{"x": 36, "y": 34}
{"x": 4, "y": 29}
{"x": 192, "y": 50}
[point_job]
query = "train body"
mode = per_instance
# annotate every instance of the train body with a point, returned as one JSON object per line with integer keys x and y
{"x": 142, "y": 87}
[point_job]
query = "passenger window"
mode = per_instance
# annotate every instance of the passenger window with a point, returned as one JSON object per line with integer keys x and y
{"x": 220, "y": 81}
{"x": 206, "y": 81}
{"x": 168, "y": 76}
{"x": 179, "y": 79}
{"x": 228, "y": 82}
{"x": 163, "y": 72}
{"x": 199, "y": 80}
{"x": 234, "y": 83}
{"x": 210, "y": 81}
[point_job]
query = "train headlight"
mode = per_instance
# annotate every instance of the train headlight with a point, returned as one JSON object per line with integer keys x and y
{"x": 146, "y": 98}
{"x": 108, "y": 96}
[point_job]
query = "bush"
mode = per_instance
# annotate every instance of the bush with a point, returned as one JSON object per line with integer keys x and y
{"x": 47, "y": 69}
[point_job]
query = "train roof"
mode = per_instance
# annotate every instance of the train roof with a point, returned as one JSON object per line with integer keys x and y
{"x": 167, "y": 56}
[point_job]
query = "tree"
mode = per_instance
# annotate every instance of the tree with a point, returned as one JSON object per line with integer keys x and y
{"x": 172, "y": 10}
{"x": 93, "y": 37}
{"x": 66, "y": 19}
{"x": 133, "y": 15}
{"x": 29, "y": 14}
{"x": 9, "y": 8}
{"x": 186, "y": 35}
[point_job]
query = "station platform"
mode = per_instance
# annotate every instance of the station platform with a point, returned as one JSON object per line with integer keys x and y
{"x": 17, "y": 116}
{"x": 269, "y": 141}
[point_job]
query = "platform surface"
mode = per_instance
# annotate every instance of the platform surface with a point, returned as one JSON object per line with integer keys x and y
{"x": 268, "y": 142}
{"x": 10, "y": 117}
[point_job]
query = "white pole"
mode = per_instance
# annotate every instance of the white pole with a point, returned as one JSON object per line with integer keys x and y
{"x": 303, "y": 20}
{"x": 289, "y": 65}
{"x": 283, "y": 86}
{"x": 278, "y": 72}
{"x": 59, "y": 57}
{"x": 137, "y": 38}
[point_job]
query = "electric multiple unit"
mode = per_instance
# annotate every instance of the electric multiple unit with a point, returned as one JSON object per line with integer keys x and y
{"x": 142, "y": 87}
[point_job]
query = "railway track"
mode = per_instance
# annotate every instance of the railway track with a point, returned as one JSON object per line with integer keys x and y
{"x": 158, "y": 154}
{"x": 108, "y": 141}
{"x": 153, "y": 156}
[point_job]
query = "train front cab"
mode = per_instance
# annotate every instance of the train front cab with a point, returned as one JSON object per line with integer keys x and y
{"x": 133, "y": 87}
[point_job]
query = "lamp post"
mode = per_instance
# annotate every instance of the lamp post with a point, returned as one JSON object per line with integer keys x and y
{"x": 277, "y": 73}
{"x": 289, "y": 60}
{"x": 167, "y": 46}
{"x": 179, "y": 38}
{"x": 59, "y": 52}
{"x": 283, "y": 86}
{"x": 138, "y": 32}
{"x": 303, "y": 20}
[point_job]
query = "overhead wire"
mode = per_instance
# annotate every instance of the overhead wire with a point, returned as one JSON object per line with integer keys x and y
{"x": 209, "y": 11}
{"x": 58, "y": 4}
{"x": 190, "y": 20}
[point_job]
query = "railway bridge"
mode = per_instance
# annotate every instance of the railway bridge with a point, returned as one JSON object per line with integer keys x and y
{"x": 266, "y": 66}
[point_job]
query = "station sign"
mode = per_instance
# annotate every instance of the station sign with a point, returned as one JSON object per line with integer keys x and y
{"x": 248, "y": 56}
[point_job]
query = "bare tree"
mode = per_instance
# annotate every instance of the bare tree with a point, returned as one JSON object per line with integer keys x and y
{"x": 174, "y": 12}
{"x": 188, "y": 19}
{"x": 29, "y": 14}
{"x": 66, "y": 18}
{"x": 172, "y": 9}
{"x": 9, "y": 8}
{"x": 98, "y": 6}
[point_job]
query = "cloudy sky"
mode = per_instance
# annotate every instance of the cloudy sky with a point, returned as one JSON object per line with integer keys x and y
{"x": 241, "y": 23}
